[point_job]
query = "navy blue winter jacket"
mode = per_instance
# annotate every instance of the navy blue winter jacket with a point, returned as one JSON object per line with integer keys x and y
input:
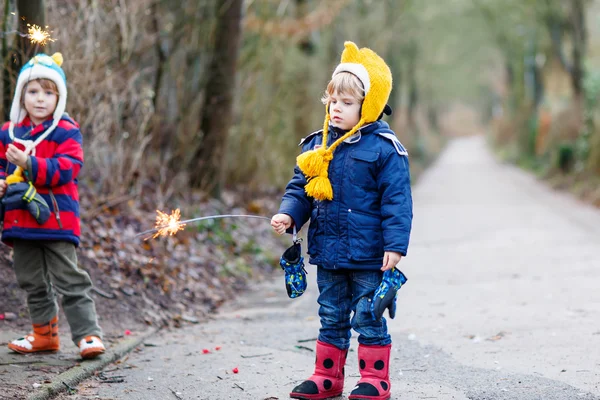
{"x": 371, "y": 210}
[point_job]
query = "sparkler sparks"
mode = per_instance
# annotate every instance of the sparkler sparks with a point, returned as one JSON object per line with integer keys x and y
{"x": 168, "y": 224}
{"x": 171, "y": 224}
{"x": 38, "y": 35}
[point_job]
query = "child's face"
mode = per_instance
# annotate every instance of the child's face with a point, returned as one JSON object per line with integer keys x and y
{"x": 40, "y": 103}
{"x": 344, "y": 110}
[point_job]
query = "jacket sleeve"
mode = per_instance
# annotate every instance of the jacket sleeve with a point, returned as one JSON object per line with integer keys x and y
{"x": 63, "y": 167}
{"x": 4, "y": 141}
{"x": 295, "y": 202}
{"x": 3, "y": 161}
{"x": 396, "y": 202}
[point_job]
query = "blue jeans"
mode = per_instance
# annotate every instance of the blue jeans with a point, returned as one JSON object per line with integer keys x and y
{"x": 342, "y": 292}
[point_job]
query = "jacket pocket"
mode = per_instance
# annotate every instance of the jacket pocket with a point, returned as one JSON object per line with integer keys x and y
{"x": 55, "y": 208}
{"x": 314, "y": 236}
{"x": 363, "y": 168}
{"x": 365, "y": 237}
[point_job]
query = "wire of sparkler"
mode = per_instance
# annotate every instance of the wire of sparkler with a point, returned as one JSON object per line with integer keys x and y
{"x": 37, "y": 45}
{"x": 35, "y": 33}
{"x": 7, "y": 33}
{"x": 204, "y": 218}
{"x": 40, "y": 37}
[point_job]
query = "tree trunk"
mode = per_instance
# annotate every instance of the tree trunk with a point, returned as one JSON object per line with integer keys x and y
{"x": 303, "y": 97}
{"x": 579, "y": 38}
{"x": 394, "y": 9}
{"x": 575, "y": 24}
{"x": 160, "y": 54}
{"x": 412, "y": 55}
{"x": 207, "y": 163}
{"x": 413, "y": 90}
{"x": 30, "y": 12}
{"x": 7, "y": 57}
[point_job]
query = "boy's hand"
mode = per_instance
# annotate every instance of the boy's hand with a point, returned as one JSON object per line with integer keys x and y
{"x": 3, "y": 186}
{"x": 16, "y": 156}
{"x": 390, "y": 259}
{"x": 280, "y": 223}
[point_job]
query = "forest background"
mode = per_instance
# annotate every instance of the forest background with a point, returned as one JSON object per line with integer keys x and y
{"x": 200, "y": 104}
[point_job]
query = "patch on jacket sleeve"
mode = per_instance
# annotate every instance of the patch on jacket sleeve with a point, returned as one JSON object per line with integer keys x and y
{"x": 392, "y": 138}
{"x": 304, "y": 139}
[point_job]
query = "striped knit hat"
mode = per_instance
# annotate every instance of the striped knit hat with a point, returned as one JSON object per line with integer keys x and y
{"x": 41, "y": 66}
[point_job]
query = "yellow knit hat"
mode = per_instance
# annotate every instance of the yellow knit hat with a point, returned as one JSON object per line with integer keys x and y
{"x": 376, "y": 78}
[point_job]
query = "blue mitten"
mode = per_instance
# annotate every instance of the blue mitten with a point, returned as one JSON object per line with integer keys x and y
{"x": 385, "y": 295}
{"x": 36, "y": 205}
{"x": 292, "y": 263}
{"x": 17, "y": 193}
{"x": 13, "y": 198}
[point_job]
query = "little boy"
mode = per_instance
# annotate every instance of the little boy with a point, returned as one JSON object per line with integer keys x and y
{"x": 42, "y": 147}
{"x": 353, "y": 182}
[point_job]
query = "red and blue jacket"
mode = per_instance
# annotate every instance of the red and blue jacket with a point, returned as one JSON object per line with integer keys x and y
{"x": 53, "y": 171}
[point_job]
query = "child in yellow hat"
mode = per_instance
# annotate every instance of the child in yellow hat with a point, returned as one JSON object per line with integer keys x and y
{"x": 352, "y": 182}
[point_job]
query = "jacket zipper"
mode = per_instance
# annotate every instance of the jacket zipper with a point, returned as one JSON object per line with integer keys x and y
{"x": 56, "y": 209}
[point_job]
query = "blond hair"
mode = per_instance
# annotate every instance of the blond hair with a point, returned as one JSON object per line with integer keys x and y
{"x": 347, "y": 83}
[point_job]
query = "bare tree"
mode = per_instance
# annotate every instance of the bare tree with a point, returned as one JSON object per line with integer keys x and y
{"x": 207, "y": 169}
{"x": 412, "y": 54}
{"x": 307, "y": 47}
{"x": 7, "y": 63}
{"x": 30, "y": 12}
{"x": 560, "y": 20}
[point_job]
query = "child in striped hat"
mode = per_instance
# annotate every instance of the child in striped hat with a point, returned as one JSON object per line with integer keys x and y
{"x": 41, "y": 148}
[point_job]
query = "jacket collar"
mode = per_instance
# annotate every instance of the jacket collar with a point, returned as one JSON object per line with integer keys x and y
{"x": 335, "y": 133}
{"x": 26, "y": 127}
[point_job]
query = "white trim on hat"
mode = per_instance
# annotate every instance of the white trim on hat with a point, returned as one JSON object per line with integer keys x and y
{"x": 18, "y": 112}
{"x": 38, "y": 71}
{"x": 358, "y": 70}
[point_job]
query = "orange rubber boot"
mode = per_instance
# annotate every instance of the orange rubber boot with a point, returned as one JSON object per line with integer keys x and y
{"x": 43, "y": 338}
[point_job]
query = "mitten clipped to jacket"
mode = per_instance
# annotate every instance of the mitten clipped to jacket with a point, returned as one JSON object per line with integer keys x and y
{"x": 292, "y": 264}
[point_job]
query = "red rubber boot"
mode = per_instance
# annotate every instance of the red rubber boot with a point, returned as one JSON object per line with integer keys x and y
{"x": 328, "y": 379}
{"x": 374, "y": 383}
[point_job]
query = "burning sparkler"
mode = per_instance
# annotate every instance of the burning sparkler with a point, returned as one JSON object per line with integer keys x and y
{"x": 38, "y": 35}
{"x": 170, "y": 224}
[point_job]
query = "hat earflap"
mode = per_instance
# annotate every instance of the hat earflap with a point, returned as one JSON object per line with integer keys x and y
{"x": 313, "y": 162}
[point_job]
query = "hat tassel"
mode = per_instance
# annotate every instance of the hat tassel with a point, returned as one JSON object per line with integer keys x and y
{"x": 320, "y": 188}
{"x": 314, "y": 162}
